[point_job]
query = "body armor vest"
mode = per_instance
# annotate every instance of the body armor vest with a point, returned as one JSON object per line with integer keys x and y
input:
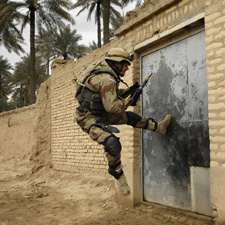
{"x": 90, "y": 100}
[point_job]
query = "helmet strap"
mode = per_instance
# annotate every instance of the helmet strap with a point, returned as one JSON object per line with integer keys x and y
{"x": 117, "y": 70}
{"x": 114, "y": 67}
{"x": 124, "y": 82}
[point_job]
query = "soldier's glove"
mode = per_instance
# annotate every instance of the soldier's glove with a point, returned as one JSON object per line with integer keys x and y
{"x": 136, "y": 96}
{"x": 131, "y": 90}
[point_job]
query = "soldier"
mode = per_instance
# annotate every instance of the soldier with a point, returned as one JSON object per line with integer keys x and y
{"x": 101, "y": 105}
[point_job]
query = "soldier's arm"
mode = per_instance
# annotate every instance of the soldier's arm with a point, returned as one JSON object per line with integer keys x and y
{"x": 107, "y": 88}
{"x": 123, "y": 90}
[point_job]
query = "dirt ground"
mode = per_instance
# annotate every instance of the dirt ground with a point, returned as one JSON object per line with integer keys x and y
{"x": 56, "y": 198}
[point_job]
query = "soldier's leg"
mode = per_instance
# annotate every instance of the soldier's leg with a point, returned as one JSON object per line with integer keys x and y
{"x": 133, "y": 119}
{"x": 113, "y": 149}
{"x": 137, "y": 121}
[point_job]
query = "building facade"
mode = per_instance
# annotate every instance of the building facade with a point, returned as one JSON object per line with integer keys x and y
{"x": 182, "y": 43}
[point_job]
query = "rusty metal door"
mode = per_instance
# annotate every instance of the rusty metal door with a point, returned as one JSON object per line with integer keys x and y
{"x": 178, "y": 87}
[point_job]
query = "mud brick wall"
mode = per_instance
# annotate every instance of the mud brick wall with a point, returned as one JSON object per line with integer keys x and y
{"x": 25, "y": 132}
{"x": 215, "y": 51}
{"x": 48, "y": 134}
{"x": 16, "y": 132}
{"x": 71, "y": 148}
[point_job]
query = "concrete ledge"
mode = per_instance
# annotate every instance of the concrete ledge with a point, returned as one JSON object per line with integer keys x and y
{"x": 144, "y": 12}
{"x": 170, "y": 31}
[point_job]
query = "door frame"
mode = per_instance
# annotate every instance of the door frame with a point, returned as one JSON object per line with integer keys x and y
{"x": 173, "y": 35}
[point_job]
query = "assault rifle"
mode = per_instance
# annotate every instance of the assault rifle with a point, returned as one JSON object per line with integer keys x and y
{"x": 136, "y": 95}
{"x": 135, "y": 92}
{"x": 131, "y": 90}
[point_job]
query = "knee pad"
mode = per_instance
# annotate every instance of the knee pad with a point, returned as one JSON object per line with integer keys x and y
{"x": 133, "y": 118}
{"x": 116, "y": 170}
{"x": 112, "y": 145}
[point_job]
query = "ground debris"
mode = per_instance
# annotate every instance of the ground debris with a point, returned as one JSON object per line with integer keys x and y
{"x": 53, "y": 197}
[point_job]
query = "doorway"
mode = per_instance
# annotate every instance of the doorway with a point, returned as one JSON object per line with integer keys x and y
{"x": 179, "y": 87}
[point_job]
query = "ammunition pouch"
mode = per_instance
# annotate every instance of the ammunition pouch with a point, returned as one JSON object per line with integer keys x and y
{"x": 91, "y": 101}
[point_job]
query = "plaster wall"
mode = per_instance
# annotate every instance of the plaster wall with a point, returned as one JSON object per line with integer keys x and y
{"x": 16, "y": 132}
{"x": 25, "y": 132}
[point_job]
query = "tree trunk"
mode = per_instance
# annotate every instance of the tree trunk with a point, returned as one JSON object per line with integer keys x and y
{"x": 32, "y": 55}
{"x": 1, "y": 87}
{"x": 48, "y": 62}
{"x": 99, "y": 23}
{"x": 106, "y": 12}
{"x": 65, "y": 56}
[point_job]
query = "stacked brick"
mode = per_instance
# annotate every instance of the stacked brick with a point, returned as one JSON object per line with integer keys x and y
{"x": 71, "y": 148}
{"x": 215, "y": 49}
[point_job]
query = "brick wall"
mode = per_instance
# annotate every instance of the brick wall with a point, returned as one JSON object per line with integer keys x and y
{"x": 72, "y": 150}
{"x": 215, "y": 49}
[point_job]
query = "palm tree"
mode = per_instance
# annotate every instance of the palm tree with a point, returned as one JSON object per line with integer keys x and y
{"x": 138, "y": 3}
{"x": 20, "y": 79}
{"x": 91, "y": 5}
{"x": 65, "y": 43}
{"x": 106, "y": 15}
{"x": 81, "y": 50}
{"x": 116, "y": 22}
{"x": 47, "y": 12}
{"x": 44, "y": 46}
{"x": 92, "y": 46}
{"x": 107, "y": 12}
{"x": 103, "y": 9}
{"x": 10, "y": 36}
{"x": 5, "y": 73}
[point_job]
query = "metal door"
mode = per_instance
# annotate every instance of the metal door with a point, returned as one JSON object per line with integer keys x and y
{"x": 178, "y": 87}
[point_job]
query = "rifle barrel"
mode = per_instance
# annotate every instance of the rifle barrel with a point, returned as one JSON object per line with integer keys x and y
{"x": 146, "y": 80}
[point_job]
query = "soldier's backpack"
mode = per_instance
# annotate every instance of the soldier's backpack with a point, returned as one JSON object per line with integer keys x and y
{"x": 87, "y": 98}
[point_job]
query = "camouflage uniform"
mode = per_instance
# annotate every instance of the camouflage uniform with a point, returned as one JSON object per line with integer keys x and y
{"x": 107, "y": 86}
{"x": 100, "y": 101}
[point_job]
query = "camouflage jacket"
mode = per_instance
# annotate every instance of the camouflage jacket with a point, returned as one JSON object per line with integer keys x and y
{"x": 107, "y": 86}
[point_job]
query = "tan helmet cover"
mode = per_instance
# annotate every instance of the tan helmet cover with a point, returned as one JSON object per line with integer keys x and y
{"x": 118, "y": 55}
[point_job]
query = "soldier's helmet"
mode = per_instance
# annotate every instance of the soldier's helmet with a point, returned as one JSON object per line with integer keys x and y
{"x": 119, "y": 55}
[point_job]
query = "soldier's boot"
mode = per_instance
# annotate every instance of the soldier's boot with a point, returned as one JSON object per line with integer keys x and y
{"x": 121, "y": 181}
{"x": 161, "y": 126}
{"x": 122, "y": 185}
{"x": 137, "y": 121}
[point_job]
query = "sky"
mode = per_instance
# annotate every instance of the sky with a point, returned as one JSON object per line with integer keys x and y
{"x": 88, "y": 30}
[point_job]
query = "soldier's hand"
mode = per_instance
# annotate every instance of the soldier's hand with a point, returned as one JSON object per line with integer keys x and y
{"x": 133, "y": 88}
{"x": 130, "y": 91}
{"x": 135, "y": 97}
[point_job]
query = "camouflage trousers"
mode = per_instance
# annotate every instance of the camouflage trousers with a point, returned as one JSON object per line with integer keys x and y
{"x": 85, "y": 120}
